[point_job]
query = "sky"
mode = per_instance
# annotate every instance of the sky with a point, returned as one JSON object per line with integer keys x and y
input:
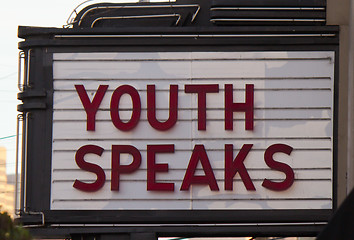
{"x": 53, "y": 13}
{"x": 42, "y": 13}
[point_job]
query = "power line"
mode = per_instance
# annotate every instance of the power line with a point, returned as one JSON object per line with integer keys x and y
{"x": 9, "y": 66}
{"x": 11, "y": 136}
{"x": 9, "y": 90}
{"x": 9, "y": 75}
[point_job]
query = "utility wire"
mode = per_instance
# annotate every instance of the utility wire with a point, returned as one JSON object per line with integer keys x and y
{"x": 9, "y": 75}
{"x": 11, "y": 136}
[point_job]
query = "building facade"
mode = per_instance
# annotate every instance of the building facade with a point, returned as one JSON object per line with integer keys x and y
{"x": 7, "y": 191}
{"x": 341, "y": 13}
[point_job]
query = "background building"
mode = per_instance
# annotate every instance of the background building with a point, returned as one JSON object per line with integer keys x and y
{"x": 7, "y": 187}
{"x": 341, "y": 13}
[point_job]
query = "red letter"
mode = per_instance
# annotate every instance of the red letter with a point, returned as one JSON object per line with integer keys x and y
{"x": 237, "y": 166}
{"x": 282, "y": 167}
{"x": 152, "y": 167}
{"x": 202, "y": 90}
{"x": 151, "y": 108}
{"x": 125, "y": 126}
{"x": 117, "y": 169}
{"x": 231, "y": 107}
{"x": 90, "y": 167}
{"x": 209, "y": 178}
{"x": 91, "y": 107}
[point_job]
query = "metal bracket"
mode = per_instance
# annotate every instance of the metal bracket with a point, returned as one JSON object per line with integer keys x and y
{"x": 178, "y": 16}
{"x": 167, "y": 6}
{"x": 20, "y": 200}
{"x": 27, "y": 217}
{"x": 29, "y": 95}
{"x": 31, "y": 106}
{"x": 21, "y": 58}
{"x": 23, "y": 80}
{"x": 20, "y": 118}
{"x": 32, "y": 219}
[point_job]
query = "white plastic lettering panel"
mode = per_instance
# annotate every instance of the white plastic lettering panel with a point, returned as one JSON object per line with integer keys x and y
{"x": 293, "y": 105}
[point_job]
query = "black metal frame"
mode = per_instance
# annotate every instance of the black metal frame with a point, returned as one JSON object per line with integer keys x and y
{"x": 38, "y": 102}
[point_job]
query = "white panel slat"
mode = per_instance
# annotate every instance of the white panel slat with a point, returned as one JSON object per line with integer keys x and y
{"x": 183, "y": 69}
{"x": 193, "y": 55}
{"x": 164, "y": 85}
{"x": 265, "y": 99}
{"x": 174, "y": 175}
{"x": 258, "y": 205}
{"x": 307, "y": 159}
{"x": 126, "y": 70}
{"x": 184, "y": 115}
{"x": 183, "y": 130}
{"x": 137, "y": 190}
{"x": 200, "y": 205}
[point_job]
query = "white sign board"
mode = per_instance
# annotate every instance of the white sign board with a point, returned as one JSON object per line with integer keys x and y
{"x": 192, "y": 130}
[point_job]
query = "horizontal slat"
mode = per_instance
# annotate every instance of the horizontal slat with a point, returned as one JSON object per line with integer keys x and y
{"x": 137, "y": 190}
{"x": 269, "y": 3}
{"x": 177, "y": 175}
{"x": 261, "y": 84}
{"x": 214, "y": 114}
{"x": 266, "y": 8}
{"x": 187, "y": 56}
{"x": 268, "y": 21}
{"x": 185, "y": 204}
{"x": 183, "y": 130}
{"x": 183, "y": 69}
{"x": 265, "y": 99}
{"x": 261, "y": 14}
{"x": 120, "y": 205}
{"x": 181, "y": 145}
{"x": 299, "y": 159}
{"x": 270, "y": 204}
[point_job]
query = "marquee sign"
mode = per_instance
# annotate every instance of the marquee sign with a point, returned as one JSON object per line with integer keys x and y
{"x": 192, "y": 130}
